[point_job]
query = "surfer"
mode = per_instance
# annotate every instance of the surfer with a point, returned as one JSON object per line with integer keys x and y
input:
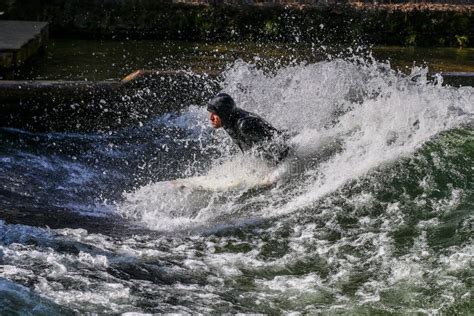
{"x": 249, "y": 131}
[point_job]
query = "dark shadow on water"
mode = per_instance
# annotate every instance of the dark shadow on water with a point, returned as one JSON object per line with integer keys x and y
{"x": 110, "y": 225}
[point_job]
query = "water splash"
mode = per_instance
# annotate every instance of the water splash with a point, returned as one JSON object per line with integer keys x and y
{"x": 348, "y": 117}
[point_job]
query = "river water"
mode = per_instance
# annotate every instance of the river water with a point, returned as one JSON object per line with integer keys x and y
{"x": 92, "y": 60}
{"x": 379, "y": 219}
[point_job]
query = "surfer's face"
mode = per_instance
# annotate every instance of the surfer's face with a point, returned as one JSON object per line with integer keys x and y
{"x": 216, "y": 121}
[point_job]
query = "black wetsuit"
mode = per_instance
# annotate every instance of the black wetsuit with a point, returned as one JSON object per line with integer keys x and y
{"x": 249, "y": 131}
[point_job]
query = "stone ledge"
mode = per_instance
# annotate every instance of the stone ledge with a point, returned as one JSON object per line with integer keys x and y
{"x": 19, "y": 40}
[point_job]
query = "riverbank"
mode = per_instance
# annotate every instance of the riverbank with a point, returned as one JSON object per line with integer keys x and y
{"x": 409, "y": 7}
{"x": 420, "y": 25}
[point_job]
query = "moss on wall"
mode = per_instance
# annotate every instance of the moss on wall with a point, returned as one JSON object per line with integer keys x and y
{"x": 165, "y": 20}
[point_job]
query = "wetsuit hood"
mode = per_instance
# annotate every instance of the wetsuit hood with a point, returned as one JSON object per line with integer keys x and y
{"x": 224, "y": 106}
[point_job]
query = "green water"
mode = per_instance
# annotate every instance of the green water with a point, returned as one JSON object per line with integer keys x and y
{"x": 101, "y": 60}
{"x": 437, "y": 59}
{"x": 379, "y": 222}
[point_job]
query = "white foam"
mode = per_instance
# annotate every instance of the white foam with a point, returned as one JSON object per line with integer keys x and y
{"x": 358, "y": 115}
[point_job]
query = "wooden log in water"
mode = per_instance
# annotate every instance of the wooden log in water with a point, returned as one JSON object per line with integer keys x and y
{"x": 458, "y": 78}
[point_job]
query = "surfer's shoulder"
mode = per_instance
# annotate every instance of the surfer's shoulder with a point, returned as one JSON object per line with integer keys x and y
{"x": 248, "y": 123}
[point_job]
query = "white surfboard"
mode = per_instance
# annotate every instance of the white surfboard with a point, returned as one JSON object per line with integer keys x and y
{"x": 224, "y": 183}
{"x": 209, "y": 183}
